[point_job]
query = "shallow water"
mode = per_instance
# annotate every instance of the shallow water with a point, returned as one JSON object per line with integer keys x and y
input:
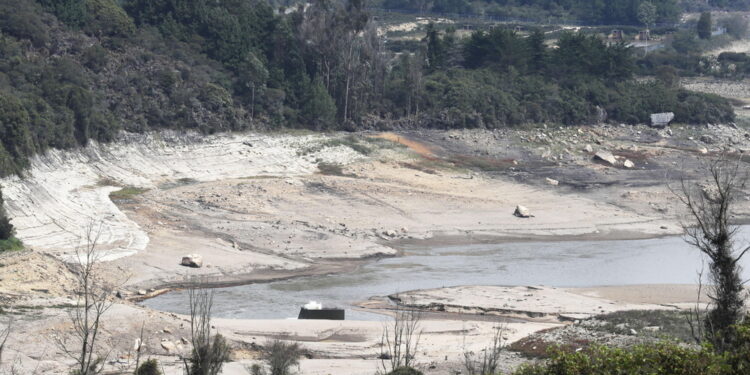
{"x": 560, "y": 264}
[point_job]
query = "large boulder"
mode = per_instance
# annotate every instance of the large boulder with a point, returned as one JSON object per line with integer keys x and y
{"x": 169, "y": 346}
{"x": 522, "y": 211}
{"x": 192, "y": 260}
{"x": 606, "y": 157}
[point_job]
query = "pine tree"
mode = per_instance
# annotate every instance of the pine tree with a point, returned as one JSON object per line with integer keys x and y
{"x": 704, "y": 26}
{"x": 319, "y": 109}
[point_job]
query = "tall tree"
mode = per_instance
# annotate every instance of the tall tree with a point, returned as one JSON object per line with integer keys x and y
{"x": 319, "y": 109}
{"x": 647, "y": 14}
{"x": 712, "y": 232}
{"x": 537, "y": 52}
{"x": 704, "y": 25}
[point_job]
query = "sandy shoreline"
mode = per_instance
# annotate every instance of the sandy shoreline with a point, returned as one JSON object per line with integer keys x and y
{"x": 259, "y": 208}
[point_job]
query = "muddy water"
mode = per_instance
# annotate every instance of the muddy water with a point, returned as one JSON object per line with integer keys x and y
{"x": 559, "y": 264}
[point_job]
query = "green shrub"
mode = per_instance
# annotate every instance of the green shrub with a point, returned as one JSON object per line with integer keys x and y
{"x": 281, "y": 356}
{"x": 11, "y": 244}
{"x": 405, "y": 371}
{"x": 95, "y": 58}
{"x": 150, "y": 367}
{"x": 659, "y": 359}
{"x": 106, "y": 17}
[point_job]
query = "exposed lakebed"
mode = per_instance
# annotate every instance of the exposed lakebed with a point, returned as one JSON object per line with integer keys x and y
{"x": 666, "y": 260}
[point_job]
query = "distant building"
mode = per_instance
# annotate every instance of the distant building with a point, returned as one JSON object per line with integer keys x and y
{"x": 617, "y": 35}
{"x": 644, "y": 35}
{"x": 661, "y": 120}
{"x": 720, "y": 30}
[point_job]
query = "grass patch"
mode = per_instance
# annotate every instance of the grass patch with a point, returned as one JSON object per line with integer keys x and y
{"x": 484, "y": 164}
{"x": 128, "y": 192}
{"x": 184, "y": 181}
{"x": 106, "y": 181}
{"x": 671, "y": 324}
{"x": 11, "y": 244}
{"x": 331, "y": 169}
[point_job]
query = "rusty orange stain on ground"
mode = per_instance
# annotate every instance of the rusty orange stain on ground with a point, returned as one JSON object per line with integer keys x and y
{"x": 415, "y": 146}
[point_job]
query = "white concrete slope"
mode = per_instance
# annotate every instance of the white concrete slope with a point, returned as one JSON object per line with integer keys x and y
{"x": 64, "y": 191}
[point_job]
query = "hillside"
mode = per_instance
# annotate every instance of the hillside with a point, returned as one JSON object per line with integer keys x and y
{"x": 74, "y": 70}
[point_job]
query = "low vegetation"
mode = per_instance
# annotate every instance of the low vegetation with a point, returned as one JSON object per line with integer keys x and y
{"x": 8, "y": 241}
{"x": 149, "y": 367}
{"x": 663, "y": 359}
{"x": 128, "y": 192}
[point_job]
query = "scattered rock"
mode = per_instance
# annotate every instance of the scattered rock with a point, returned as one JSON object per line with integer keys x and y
{"x": 707, "y": 139}
{"x": 703, "y": 150}
{"x": 192, "y": 260}
{"x": 606, "y": 157}
{"x": 551, "y": 181}
{"x": 522, "y": 211}
{"x": 141, "y": 292}
{"x": 628, "y": 164}
{"x": 169, "y": 346}
{"x": 588, "y": 149}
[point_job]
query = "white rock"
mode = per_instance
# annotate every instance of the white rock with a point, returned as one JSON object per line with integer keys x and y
{"x": 551, "y": 181}
{"x": 588, "y": 149}
{"x": 703, "y": 150}
{"x": 192, "y": 260}
{"x": 522, "y": 211}
{"x": 628, "y": 164}
{"x": 169, "y": 346}
{"x": 606, "y": 157}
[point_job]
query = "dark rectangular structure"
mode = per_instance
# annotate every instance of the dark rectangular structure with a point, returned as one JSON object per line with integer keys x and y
{"x": 326, "y": 314}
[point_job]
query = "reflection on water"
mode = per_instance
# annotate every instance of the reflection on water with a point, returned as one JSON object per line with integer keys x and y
{"x": 561, "y": 264}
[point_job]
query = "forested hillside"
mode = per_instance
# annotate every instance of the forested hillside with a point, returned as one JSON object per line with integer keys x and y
{"x": 74, "y": 70}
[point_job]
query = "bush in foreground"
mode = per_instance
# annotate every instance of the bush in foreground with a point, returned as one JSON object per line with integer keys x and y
{"x": 150, "y": 367}
{"x": 666, "y": 358}
{"x": 405, "y": 371}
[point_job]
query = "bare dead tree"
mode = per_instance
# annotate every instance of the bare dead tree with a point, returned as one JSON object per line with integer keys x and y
{"x": 696, "y": 315}
{"x": 210, "y": 351}
{"x": 710, "y": 230}
{"x": 486, "y": 362}
{"x": 138, "y": 347}
{"x": 93, "y": 300}
{"x": 400, "y": 341}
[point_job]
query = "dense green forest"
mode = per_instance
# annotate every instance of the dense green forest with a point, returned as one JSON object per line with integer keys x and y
{"x": 75, "y": 70}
